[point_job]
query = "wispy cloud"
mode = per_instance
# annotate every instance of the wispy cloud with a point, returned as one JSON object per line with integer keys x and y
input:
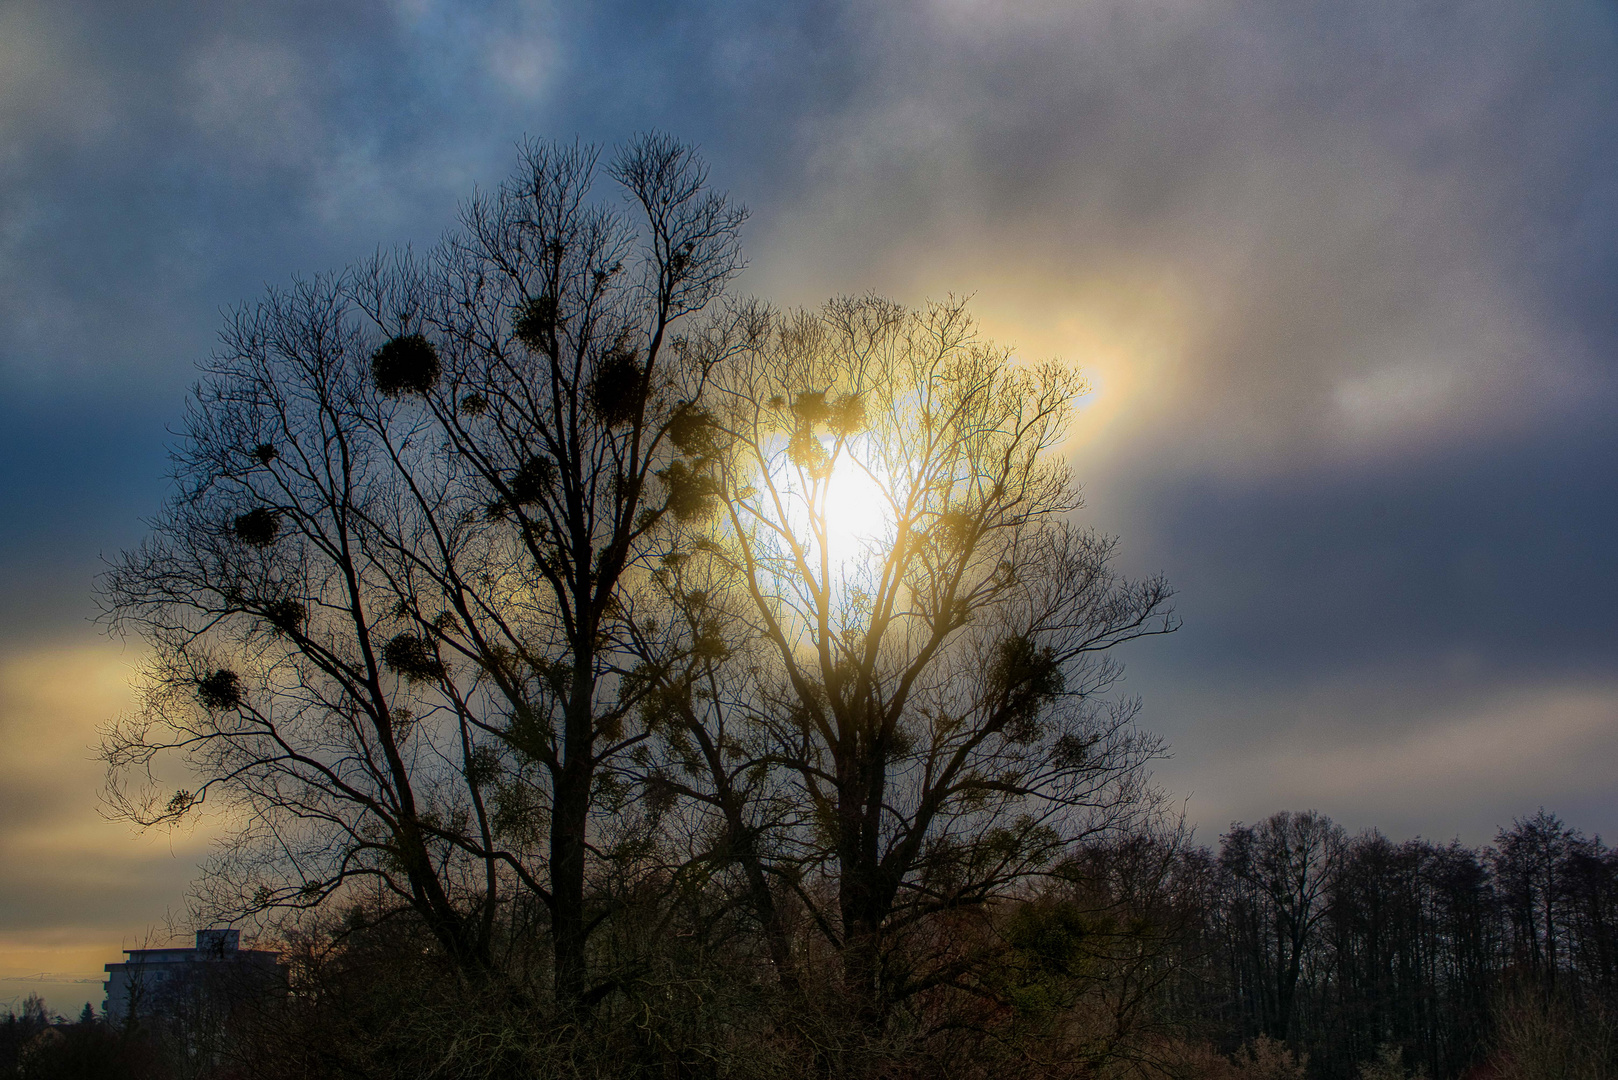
{"x": 1346, "y": 200}
{"x": 1440, "y": 768}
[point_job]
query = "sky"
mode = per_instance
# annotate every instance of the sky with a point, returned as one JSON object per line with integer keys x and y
{"x": 1343, "y": 275}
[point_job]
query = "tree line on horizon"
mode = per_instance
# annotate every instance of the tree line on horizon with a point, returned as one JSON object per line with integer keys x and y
{"x": 1291, "y": 951}
{"x": 506, "y": 618}
{"x": 1496, "y": 961}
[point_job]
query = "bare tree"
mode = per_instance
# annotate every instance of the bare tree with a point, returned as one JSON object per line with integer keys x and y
{"x": 712, "y": 764}
{"x": 1532, "y": 863}
{"x": 894, "y": 567}
{"x": 564, "y": 384}
{"x": 1284, "y": 869}
{"x": 284, "y": 669}
{"x": 382, "y": 600}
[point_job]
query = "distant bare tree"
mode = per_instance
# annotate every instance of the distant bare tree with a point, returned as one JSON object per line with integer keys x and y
{"x": 1532, "y": 864}
{"x": 1283, "y": 869}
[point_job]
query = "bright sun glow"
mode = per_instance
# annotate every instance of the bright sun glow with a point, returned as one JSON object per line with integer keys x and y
{"x": 857, "y": 514}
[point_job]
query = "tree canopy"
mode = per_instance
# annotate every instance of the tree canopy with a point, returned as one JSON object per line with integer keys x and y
{"x": 539, "y": 593}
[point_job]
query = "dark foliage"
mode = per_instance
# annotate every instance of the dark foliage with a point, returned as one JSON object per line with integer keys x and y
{"x": 37, "y": 1046}
{"x": 531, "y": 481}
{"x": 693, "y": 433}
{"x": 220, "y": 689}
{"x": 806, "y": 452}
{"x": 692, "y": 495}
{"x": 1359, "y": 944}
{"x": 535, "y": 324}
{"x": 407, "y": 364}
{"x": 810, "y": 406}
{"x": 412, "y": 656}
{"x": 257, "y": 527}
{"x": 847, "y": 415}
{"x": 618, "y": 387}
{"x": 1025, "y": 677}
{"x": 286, "y": 616}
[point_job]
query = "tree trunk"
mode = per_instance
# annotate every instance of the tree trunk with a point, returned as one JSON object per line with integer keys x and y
{"x": 860, "y": 897}
{"x": 569, "y": 816}
{"x": 762, "y": 900}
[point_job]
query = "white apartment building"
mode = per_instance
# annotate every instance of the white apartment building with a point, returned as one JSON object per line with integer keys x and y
{"x": 154, "y": 980}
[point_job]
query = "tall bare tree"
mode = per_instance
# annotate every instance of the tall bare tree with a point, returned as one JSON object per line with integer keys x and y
{"x": 894, "y": 564}
{"x": 382, "y": 601}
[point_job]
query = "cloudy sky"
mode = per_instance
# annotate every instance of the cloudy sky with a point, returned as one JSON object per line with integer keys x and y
{"x": 1344, "y": 276}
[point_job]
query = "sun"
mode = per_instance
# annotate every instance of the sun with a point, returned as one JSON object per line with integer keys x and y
{"x": 849, "y": 508}
{"x": 857, "y": 513}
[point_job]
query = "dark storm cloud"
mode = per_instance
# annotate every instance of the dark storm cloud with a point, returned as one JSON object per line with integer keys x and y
{"x": 1426, "y": 648}
{"x": 76, "y": 482}
{"x": 1501, "y": 551}
{"x": 1343, "y": 274}
{"x": 160, "y": 164}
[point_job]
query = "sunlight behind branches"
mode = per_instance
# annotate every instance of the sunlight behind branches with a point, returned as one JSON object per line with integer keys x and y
{"x": 847, "y": 515}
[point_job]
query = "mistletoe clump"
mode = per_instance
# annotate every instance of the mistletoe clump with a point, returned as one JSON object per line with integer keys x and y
{"x": 619, "y": 386}
{"x": 220, "y": 690}
{"x": 694, "y": 433}
{"x": 407, "y": 364}
{"x": 286, "y": 616}
{"x": 1024, "y": 677}
{"x": 532, "y": 480}
{"x": 258, "y": 528}
{"x": 535, "y": 324}
{"x": 413, "y": 657}
{"x": 692, "y": 495}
